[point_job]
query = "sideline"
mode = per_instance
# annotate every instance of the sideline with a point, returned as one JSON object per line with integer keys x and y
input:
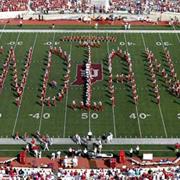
{"x": 85, "y": 31}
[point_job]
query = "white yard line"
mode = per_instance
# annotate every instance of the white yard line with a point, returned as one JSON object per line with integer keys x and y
{"x": 87, "y": 31}
{"x": 159, "y": 106}
{"x": 66, "y": 103}
{"x": 89, "y": 113}
{"x": 17, "y": 115}
{"x": 113, "y": 113}
{"x": 2, "y": 31}
{"x": 136, "y": 106}
{"x": 176, "y": 34}
{"x": 42, "y": 108}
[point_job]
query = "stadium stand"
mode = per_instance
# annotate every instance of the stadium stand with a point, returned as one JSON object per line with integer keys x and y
{"x": 133, "y": 7}
{"x": 130, "y": 173}
{"x": 13, "y": 5}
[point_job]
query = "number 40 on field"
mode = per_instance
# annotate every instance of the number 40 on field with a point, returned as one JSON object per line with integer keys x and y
{"x": 140, "y": 115}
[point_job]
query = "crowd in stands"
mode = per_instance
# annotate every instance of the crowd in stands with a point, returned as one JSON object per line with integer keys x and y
{"x": 13, "y": 5}
{"x": 82, "y": 174}
{"x": 73, "y": 6}
{"x": 140, "y": 6}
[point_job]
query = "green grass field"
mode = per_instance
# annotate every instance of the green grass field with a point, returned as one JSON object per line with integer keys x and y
{"x": 149, "y": 119}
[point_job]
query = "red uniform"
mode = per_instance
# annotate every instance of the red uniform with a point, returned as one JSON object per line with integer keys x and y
{"x": 18, "y": 101}
{"x": 54, "y": 100}
{"x": 60, "y": 97}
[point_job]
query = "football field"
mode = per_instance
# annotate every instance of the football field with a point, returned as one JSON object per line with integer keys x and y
{"x": 146, "y": 119}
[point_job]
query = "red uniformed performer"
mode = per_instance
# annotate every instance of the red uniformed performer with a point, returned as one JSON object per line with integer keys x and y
{"x": 54, "y": 101}
{"x": 18, "y": 101}
{"x": 95, "y": 107}
{"x": 48, "y": 101}
{"x": 100, "y": 106}
{"x": 113, "y": 101}
{"x": 1, "y": 82}
{"x": 158, "y": 98}
{"x": 74, "y": 105}
{"x": 117, "y": 78}
{"x": 136, "y": 99}
{"x": 81, "y": 105}
{"x": 60, "y": 97}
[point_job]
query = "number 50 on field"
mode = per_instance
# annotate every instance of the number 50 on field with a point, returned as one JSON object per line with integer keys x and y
{"x": 87, "y": 115}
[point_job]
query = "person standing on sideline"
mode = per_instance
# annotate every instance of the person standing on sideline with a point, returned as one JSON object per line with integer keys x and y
{"x": 46, "y": 146}
{"x": 137, "y": 150}
{"x": 89, "y": 135}
{"x": 131, "y": 152}
{"x": 58, "y": 155}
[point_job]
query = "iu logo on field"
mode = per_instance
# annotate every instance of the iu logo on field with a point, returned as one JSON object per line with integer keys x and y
{"x": 96, "y": 72}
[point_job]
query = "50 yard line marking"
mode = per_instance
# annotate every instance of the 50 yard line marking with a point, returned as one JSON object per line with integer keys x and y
{"x": 42, "y": 108}
{"x": 89, "y": 110}
{"x": 159, "y": 106}
{"x": 136, "y": 107}
{"x": 67, "y": 97}
{"x": 17, "y": 115}
{"x": 114, "y": 118}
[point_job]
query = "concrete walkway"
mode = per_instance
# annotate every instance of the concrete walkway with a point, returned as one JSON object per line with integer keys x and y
{"x": 116, "y": 141}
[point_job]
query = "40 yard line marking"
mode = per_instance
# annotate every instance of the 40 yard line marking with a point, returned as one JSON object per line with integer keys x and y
{"x": 66, "y": 104}
{"x": 42, "y": 108}
{"x": 159, "y": 106}
{"x": 114, "y": 118}
{"x": 17, "y": 115}
{"x": 136, "y": 107}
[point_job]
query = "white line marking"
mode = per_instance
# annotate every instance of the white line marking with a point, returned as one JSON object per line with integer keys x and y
{"x": 66, "y": 104}
{"x": 2, "y": 31}
{"x": 89, "y": 121}
{"x": 42, "y": 108}
{"x": 87, "y": 31}
{"x": 89, "y": 113}
{"x": 136, "y": 106}
{"x": 176, "y": 34}
{"x": 17, "y": 115}
{"x": 160, "y": 110}
{"x": 162, "y": 118}
{"x": 114, "y": 118}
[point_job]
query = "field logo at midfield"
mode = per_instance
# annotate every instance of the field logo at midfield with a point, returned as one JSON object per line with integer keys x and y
{"x": 96, "y": 72}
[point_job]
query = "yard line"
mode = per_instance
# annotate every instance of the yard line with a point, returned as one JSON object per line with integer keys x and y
{"x": 89, "y": 113}
{"x": 176, "y": 33}
{"x": 66, "y": 103}
{"x": 2, "y": 31}
{"x": 159, "y": 106}
{"x": 136, "y": 106}
{"x": 113, "y": 113}
{"x": 42, "y": 107}
{"x": 17, "y": 115}
{"x": 162, "y": 117}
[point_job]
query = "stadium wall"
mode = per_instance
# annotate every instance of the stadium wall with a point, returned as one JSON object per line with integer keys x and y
{"x": 57, "y": 16}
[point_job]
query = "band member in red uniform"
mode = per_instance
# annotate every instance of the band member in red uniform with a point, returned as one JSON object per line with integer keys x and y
{"x": 54, "y": 101}
{"x": 18, "y": 101}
